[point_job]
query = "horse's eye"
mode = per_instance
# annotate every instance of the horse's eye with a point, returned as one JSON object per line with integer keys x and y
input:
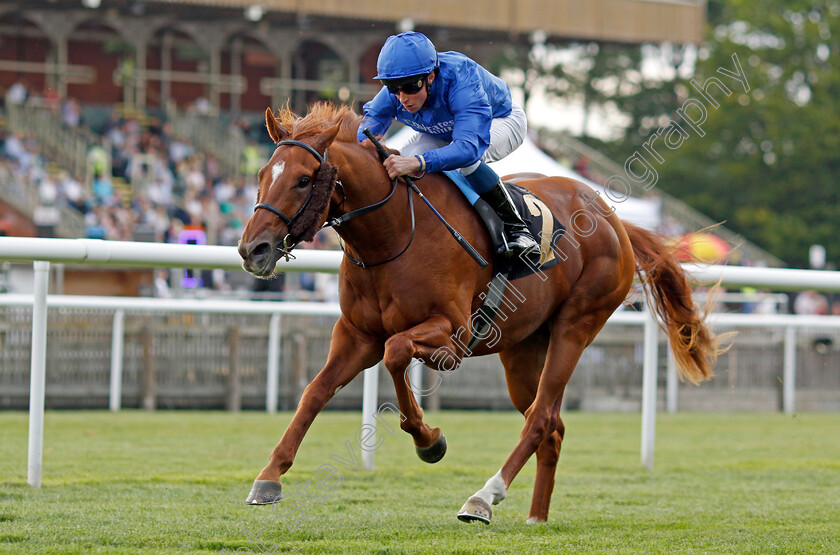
{"x": 304, "y": 181}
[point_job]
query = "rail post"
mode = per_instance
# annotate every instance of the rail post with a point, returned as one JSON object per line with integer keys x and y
{"x": 789, "y": 371}
{"x": 233, "y": 383}
{"x": 37, "y": 376}
{"x": 672, "y": 383}
{"x": 369, "y": 409}
{"x": 117, "y": 343}
{"x": 651, "y": 361}
{"x": 273, "y": 372}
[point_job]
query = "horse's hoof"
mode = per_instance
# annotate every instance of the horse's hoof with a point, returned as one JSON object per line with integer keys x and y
{"x": 534, "y": 520}
{"x": 264, "y": 492}
{"x": 476, "y": 508}
{"x": 434, "y": 452}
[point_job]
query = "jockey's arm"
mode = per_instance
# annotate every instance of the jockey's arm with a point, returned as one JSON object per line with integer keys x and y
{"x": 379, "y": 114}
{"x": 470, "y": 139}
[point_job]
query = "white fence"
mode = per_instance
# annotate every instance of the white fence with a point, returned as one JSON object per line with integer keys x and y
{"x": 156, "y": 255}
{"x": 120, "y": 305}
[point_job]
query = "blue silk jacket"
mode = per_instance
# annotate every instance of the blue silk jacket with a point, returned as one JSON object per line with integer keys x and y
{"x": 463, "y": 100}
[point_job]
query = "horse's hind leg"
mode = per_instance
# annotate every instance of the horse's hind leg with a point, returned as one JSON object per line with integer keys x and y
{"x": 523, "y": 365}
{"x": 421, "y": 341}
{"x": 351, "y": 351}
{"x": 572, "y": 329}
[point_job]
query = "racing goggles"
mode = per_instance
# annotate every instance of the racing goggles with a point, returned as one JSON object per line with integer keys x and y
{"x": 410, "y": 86}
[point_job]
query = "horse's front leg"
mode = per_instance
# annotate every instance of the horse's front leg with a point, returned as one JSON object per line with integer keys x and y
{"x": 421, "y": 341}
{"x": 351, "y": 351}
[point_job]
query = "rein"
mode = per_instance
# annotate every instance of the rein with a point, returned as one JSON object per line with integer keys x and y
{"x": 288, "y": 241}
{"x": 335, "y": 222}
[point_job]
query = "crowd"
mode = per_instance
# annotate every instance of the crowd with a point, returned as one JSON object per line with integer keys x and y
{"x": 158, "y": 187}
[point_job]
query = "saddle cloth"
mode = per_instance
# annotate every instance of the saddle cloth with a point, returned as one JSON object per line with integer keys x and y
{"x": 544, "y": 226}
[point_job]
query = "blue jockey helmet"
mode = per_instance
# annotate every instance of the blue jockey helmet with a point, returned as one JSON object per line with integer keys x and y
{"x": 404, "y": 56}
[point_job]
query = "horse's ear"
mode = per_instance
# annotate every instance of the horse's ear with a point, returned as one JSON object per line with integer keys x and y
{"x": 275, "y": 130}
{"x": 326, "y": 138}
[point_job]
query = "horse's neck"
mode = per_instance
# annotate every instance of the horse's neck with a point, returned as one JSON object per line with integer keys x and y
{"x": 383, "y": 232}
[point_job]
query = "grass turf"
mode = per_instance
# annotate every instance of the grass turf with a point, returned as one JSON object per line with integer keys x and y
{"x": 175, "y": 482}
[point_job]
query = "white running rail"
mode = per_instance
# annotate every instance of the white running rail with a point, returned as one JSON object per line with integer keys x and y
{"x": 165, "y": 255}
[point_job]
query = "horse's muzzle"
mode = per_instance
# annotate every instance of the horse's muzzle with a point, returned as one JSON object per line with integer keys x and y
{"x": 259, "y": 257}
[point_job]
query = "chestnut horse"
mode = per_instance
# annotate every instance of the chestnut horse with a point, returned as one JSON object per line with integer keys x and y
{"x": 406, "y": 287}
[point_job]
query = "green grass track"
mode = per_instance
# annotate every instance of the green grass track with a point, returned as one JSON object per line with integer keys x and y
{"x": 175, "y": 482}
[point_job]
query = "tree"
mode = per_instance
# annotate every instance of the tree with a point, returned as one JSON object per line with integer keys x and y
{"x": 769, "y": 161}
{"x": 593, "y": 75}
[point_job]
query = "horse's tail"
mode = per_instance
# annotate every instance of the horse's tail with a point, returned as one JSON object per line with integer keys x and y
{"x": 694, "y": 346}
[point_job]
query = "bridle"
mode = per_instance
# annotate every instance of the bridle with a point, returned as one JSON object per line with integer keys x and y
{"x": 288, "y": 241}
{"x": 280, "y": 214}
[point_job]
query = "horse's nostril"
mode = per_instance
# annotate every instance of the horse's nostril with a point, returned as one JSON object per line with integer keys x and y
{"x": 261, "y": 251}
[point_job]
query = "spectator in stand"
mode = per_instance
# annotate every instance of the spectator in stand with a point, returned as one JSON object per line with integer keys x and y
{"x": 224, "y": 190}
{"x": 210, "y": 216}
{"x": 162, "y": 284}
{"x": 113, "y": 122}
{"x": 211, "y": 168}
{"x": 71, "y": 112}
{"x": 159, "y": 191}
{"x": 810, "y": 302}
{"x": 50, "y": 100}
{"x": 194, "y": 178}
{"x": 14, "y": 149}
{"x": 119, "y": 150}
{"x": 251, "y": 161}
{"x": 103, "y": 191}
{"x": 47, "y": 191}
{"x": 161, "y": 222}
{"x": 201, "y": 106}
{"x": 192, "y": 205}
{"x": 71, "y": 192}
{"x": 17, "y": 93}
{"x": 179, "y": 150}
{"x": 97, "y": 159}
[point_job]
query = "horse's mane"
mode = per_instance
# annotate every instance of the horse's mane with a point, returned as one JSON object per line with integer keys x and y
{"x": 320, "y": 117}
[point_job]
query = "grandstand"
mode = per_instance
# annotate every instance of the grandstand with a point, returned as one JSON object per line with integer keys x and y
{"x": 140, "y": 119}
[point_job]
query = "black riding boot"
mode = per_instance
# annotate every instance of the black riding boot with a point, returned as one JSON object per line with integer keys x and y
{"x": 519, "y": 238}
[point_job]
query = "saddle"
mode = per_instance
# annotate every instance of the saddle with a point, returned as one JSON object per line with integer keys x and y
{"x": 542, "y": 224}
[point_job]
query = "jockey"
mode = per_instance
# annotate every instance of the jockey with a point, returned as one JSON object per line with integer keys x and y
{"x": 463, "y": 117}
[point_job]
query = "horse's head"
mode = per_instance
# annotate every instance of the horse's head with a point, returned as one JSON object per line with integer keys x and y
{"x": 295, "y": 188}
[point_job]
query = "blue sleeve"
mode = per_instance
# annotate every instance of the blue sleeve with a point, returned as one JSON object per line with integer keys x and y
{"x": 472, "y": 115}
{"x": 379, "y": 114}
